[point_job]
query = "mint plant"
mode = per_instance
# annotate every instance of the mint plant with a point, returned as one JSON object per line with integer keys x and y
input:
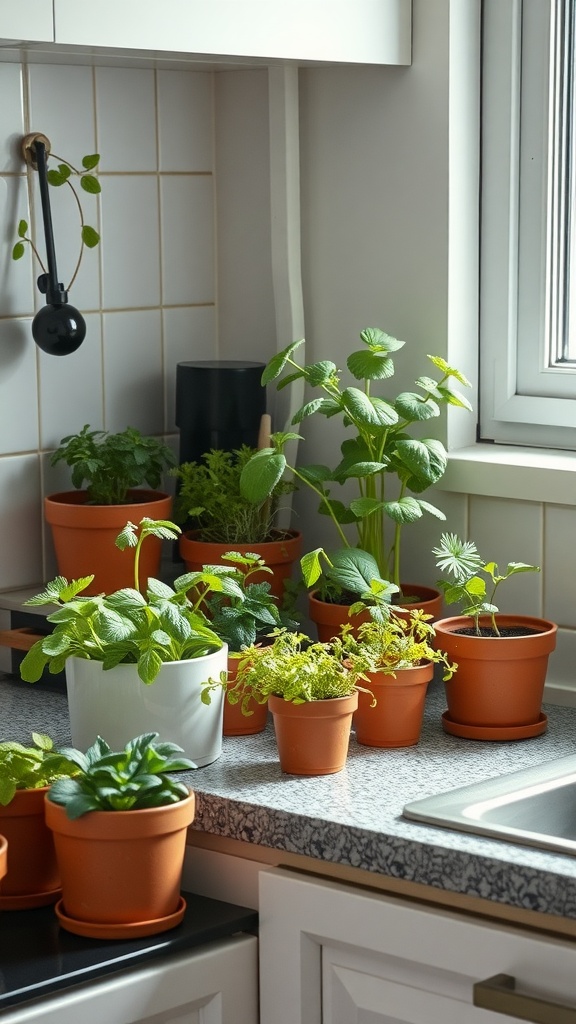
{"x": 30, "y": 767}
{"x": 111, "y": 464}
{"x": 380, "y": 449}
{"x": 240, "y": 620}
{"x": 64, "y": 175}
{"x": 130, "y": 780}
{"x": 349, "y": 571}
{"x": 470, "y": 578}
{"x": 164, "y": 624}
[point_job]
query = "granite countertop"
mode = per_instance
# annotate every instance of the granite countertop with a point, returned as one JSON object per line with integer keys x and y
{"x": 355, "y": 817}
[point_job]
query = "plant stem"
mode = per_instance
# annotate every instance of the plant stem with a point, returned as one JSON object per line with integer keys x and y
{"x": 79, "y": 260}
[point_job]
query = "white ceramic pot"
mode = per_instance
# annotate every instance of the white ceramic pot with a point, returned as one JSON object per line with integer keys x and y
{"x": 117, "y": 705}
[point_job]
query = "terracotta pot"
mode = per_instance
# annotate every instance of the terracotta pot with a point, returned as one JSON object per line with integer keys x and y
{"x": 279, "y": 556}
{"x": 3, "y": 857}
{"x": 235, "y": 723}
{"x": 396, "y": 720}
{"x": 84, "y": 537}
{"x": 328, "y": 618}
{"x": 313, "y": 737}
{"x": 117, "y": 705}
{"x": 500, "y": 680}
{"x": 32, "y": 879}
{"x": 120, "y": 868}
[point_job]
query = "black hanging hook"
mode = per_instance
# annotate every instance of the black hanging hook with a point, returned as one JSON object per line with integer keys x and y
{"x": 58, "y": 328}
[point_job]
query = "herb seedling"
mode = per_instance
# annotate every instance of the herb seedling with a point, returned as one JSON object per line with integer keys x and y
{"x": 461, "y": 560}
{"x": 30, "y": 767}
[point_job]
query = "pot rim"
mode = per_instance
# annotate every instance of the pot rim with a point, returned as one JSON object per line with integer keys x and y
{"x": 111, "y": 825}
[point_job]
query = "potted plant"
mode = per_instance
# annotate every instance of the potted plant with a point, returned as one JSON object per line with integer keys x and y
{"x": 32, "y": 879}
{"x": 241, "y": 621}
{"x": 137, "y": 660}
{"x": 84, "y": 522}
{"x": 397, "y": 657}
{"x": 119, "y": 829}
{"x": 312, "y": 692}
{"x": 502, "y": 659}
{"x": 384, "y": 452}
{"x": 209, "y": 494}
{"x": 346, "y": 589}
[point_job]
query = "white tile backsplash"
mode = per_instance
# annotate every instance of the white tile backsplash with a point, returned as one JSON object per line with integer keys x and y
{"x": 133, "y": 392}
{"x": 21, "y": 543}
{"x": 11, "y": 118}
{"x": 506, "y": 531}
{"x": 187, "y": 239}
{"x": 130, "y": 241}
{"x": 61, "y": 102}
{"x": 185, "y": 121}
{"x": 17, "y": 277}
{"x": 71, "y": 392}
{"x": 126, "y": 113}
{"x": 18, "y": 388}
{"x": 189, "y": 333}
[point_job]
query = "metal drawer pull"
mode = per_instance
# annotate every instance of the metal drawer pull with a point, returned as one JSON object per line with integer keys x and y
{"x": 498, "y": 994}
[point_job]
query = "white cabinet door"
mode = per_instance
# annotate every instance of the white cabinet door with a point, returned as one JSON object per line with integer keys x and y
{"x": 215, "y": 984}
{"x": 27, "y": 19}
{"x": 349, "y": 31}
{"x": 336, "y": 954}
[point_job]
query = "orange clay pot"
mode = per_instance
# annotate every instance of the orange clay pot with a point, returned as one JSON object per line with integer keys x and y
{"x": 84, "y": 537}
{"x": 121, "y": 868}
{"x": 500, "y": 680}
{"x": 234, "y": 722}
{"x": 313, "y": 737}
{"x": 396, "y": 720}
{"x": 3, "y": 857}
{"x": 32, "y": 879}
{"x": 279, "y": 555}
{"x": 328, "y": 618}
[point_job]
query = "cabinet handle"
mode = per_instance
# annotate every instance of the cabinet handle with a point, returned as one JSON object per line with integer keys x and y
{"x": 21, "y": 639}
{"x": 498, "y": 994}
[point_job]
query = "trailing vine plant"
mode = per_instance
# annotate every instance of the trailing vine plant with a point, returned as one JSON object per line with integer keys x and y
{"x": 63, "y": 175}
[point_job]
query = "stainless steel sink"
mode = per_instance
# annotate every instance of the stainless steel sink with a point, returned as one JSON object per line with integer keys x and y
{"x": 535, "y": 807}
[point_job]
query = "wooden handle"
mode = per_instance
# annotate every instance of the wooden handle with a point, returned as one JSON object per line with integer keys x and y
{"x": 265, "y": 431}
{"x": 19, "y": 639}
{"x": 498, "y": 994}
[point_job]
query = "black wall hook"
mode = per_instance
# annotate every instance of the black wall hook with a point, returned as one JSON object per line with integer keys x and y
{"x": 58, "y": 328}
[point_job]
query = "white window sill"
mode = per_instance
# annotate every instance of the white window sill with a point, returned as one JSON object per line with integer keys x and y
{"x": 506, "y": 471}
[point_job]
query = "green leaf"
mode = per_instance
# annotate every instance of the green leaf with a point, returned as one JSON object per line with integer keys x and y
{"x": 340, "y": 511}
{"x": 357, "y": 470}
{"x": 90, "y": 184}
{"x": 311, "y": 566}
{"x": 427, "y": 507}
{"x": 449, "y": 371}
{"x": 278, "y": 362}
{"x": 18, "y": 251}
{"x": 149, "y": 665}
{"x": 370, "y": 365}
{"x": 90, "y": 161}
{"x": 56, "y": 178}
{"x": 315, "y": 474}
{"x": 405, "y": 510}
{"x": 426, "y": 460}
{"x": 412, "y": 407}
{"x": 452, "y": 397}
{"x": 320, "y": 373}
{"x": 42, "y": 741}
{"x": 379, "y": 340}
{"x": 366, "y": 411}
{"x": 353, "y": 569}
{"x": 261, "y": 474}
{"x": 363, "y": 507}
{"x": 22, "y": 228}
{"x": 316, "y": 405}
{"x": 90, "y": 236}
{"x": 64, "y": 171}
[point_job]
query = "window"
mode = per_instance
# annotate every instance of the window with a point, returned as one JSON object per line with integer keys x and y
{"x": 528, "y": 224}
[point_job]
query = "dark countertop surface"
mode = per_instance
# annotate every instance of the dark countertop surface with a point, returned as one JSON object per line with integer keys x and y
{"x": 355, "y": 817}
{"x": 39, "y": 958}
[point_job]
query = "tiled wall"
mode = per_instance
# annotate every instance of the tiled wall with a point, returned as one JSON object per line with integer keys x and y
{"x": 148, "y": 291}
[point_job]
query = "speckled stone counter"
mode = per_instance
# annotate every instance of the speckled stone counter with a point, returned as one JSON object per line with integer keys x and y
{"x": 354, "y": 817}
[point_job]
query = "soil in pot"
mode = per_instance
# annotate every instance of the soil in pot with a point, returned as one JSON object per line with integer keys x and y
{"x": 313, "y": 737}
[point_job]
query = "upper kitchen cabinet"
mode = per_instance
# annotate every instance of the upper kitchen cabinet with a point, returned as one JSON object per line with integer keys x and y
{"x": 315, "y": 31}
{"x": 30, "y": 20}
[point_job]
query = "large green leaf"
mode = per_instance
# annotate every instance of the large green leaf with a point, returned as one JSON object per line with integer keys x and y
{"x": 320, "y": 373}
{"x": 261, "y": 474}
{"x": 353, "y": 569}
{"x": 278, "y": 362}
{"x": 431, "y": 509}
{"x": 367, "y": 412}
{"x": 411, "y": 406}
{"x": 340, "y": 511}
{"x": 363, "y": 507}
{"x": 425, "y": 459}
{"x": 315, "y": 474}
{"x": 453, "y": 397}
{"x": 379, "y": 340}
{"x": 405, "y": 510}
{"x": 449, "y": 371}
{"x": 368, "y": 365}
{"x": 316, "y": 405}
{"x": 357, "y": 470}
